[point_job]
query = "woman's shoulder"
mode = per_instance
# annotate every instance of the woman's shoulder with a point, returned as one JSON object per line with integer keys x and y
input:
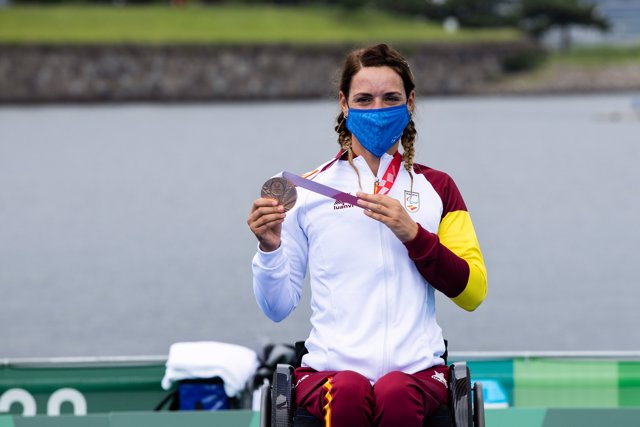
{"x": 430, "y": 173}
{"x": 318, "y": 169}
{"x": 443, "y": 184}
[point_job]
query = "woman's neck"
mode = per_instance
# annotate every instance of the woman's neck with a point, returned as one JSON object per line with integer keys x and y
{"x": 372, "y": 161}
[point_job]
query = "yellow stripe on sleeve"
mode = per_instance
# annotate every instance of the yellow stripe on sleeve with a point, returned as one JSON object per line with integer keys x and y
{"x": 456, "y": 232}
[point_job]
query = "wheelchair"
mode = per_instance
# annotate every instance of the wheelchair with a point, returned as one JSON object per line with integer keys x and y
{"x": 465, "y": 409}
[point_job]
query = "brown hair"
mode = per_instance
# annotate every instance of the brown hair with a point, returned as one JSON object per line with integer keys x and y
{"x": 379, "y": 55}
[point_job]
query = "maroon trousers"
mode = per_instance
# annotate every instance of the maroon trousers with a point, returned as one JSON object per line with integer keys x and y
{"x": 347, "y": 399}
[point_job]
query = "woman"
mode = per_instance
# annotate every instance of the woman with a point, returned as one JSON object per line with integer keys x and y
{"x": 375, "y": 348}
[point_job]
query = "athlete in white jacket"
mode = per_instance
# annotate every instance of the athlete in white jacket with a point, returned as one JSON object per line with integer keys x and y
{"x": 373, "y": 271}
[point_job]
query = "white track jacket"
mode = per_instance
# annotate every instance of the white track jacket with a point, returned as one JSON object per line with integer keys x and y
{"x": 373, "y": 302}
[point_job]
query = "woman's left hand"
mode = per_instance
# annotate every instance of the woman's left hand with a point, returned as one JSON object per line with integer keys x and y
{"x": 390, "y": 212}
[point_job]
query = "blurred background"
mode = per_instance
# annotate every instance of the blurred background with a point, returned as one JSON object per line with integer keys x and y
{"x": 134, "y": 136}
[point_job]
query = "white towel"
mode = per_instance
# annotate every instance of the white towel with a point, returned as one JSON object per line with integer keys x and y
{"x": 234, "y": 364}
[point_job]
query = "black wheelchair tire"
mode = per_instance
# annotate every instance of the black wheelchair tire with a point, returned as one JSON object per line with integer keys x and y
{"x": 265, "y": 405}
{"x": 282, "y": 396}
{"x": 478, "y": 405}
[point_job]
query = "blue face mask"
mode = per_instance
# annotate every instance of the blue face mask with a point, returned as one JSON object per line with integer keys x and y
{"x": 378, "y": 129}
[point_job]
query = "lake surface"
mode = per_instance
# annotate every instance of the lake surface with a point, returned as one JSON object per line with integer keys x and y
{"x": 123, "y": 227}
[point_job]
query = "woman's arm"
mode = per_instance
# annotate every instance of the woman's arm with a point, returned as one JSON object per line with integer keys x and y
{"x": 278, "y": 276}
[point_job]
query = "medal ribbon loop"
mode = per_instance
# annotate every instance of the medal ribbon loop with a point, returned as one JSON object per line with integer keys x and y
{"x": 389, "y": 177}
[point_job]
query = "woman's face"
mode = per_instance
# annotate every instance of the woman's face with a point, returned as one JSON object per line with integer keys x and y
{"x": 375, "y": 87}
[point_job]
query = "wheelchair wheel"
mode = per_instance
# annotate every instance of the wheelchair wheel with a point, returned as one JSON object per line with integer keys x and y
{"x": 460, "y": 395}
{"x": 282, "y": 397}
{"x": 265, "y": 405}
{"x": 478, "y": 405}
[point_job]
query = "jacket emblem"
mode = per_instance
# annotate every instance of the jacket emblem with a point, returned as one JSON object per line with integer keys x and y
{"x": 341, "y": 205}
{"x": 411, "y": 201}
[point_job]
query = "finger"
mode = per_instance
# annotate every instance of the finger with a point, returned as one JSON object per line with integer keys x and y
{"x": 377, "y": 216}
{"x": 375, "y": 207}
{"x": 265, "y": 210}
{"x": 365, "y": 204}
{"x": 262, "y": 220}
{"x": 265, "y": 230}
{"x": 375, "y": 198}
{"x": 379, "y": 199}
{"x": 368, "y": 201}
{"x": 265, "y": 215}
{"x": 266, "y": 222}
{"x": 263, "y": 202}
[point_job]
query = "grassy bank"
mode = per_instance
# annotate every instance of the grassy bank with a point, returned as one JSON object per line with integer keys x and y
{"x": 596, "y": 56}
{"x": 583, "y": 69}
{"x": 222, "y": 24}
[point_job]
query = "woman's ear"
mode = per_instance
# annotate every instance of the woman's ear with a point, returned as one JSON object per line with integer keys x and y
{"x": 411, "y": 101}
{"x": 344, "y": 105}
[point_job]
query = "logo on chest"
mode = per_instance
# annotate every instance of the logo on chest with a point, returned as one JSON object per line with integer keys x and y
{"x": 411, "y": 201}
{"x": 341, "y": 205}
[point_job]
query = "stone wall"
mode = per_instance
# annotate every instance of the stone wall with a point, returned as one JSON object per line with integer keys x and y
{"x": 34, "y": 73}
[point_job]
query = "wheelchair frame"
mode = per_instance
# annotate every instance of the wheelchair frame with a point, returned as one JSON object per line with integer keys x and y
{"x": 278, "y": 403}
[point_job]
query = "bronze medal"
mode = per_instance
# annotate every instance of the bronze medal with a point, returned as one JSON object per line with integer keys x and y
{"x": 281, "y": 190}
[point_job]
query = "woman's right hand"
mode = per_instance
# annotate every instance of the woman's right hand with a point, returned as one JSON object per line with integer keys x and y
{"x": 265, "y": 221}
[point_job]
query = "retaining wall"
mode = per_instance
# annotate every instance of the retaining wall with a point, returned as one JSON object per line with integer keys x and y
{"x": 54, "y": 73}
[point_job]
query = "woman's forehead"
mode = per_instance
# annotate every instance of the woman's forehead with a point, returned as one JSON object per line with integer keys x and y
{"x": 377, "y": 79}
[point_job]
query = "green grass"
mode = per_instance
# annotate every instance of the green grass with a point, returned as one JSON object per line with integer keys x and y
{"x": 595, "y": 56}
{"x": 221, "y": 24}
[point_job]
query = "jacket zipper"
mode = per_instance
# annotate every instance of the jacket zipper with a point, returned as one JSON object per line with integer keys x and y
{"x": 385, "y": 358}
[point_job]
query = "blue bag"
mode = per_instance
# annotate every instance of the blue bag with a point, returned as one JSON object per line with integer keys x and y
{"x": 202, "y": 394}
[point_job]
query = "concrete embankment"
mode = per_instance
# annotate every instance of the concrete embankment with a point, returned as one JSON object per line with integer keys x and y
{"x": 54, "y": 73}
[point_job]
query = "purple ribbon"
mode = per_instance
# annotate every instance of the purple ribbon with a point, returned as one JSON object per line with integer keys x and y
{"x": 325, "y": 190}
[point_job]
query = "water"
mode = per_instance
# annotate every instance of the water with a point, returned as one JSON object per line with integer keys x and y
{"x": 123, "y": 228}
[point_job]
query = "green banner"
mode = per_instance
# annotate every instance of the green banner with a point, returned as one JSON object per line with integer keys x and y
{"x": 240, "y": 418}
{"x": 592, "y": 417}
{"x": 63, "y": 421}
{"x": 191, "y": 419}
{"x": 6, "y": 421}
{"x": 520, "y": 417}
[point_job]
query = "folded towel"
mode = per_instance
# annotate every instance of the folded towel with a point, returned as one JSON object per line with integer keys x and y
{"x": 234, "y": 364}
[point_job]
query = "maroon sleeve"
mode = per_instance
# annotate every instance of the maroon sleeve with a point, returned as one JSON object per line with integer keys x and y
{"x": 443, "y": 269}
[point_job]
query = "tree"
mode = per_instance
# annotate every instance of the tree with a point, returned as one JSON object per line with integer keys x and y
{"x": 470, "y": 13}
{"x": 480, "y": 13}
{"x": 540, "y": 16}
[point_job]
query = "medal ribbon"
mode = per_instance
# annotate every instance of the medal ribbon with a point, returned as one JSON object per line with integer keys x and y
{"x": 389, "y": 177}
{"x": 381, "y": 187}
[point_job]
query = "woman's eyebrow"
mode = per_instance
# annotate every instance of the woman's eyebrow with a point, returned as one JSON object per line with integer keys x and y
{"x": 362, "y": 94}
{"x": 384, "y": 94}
